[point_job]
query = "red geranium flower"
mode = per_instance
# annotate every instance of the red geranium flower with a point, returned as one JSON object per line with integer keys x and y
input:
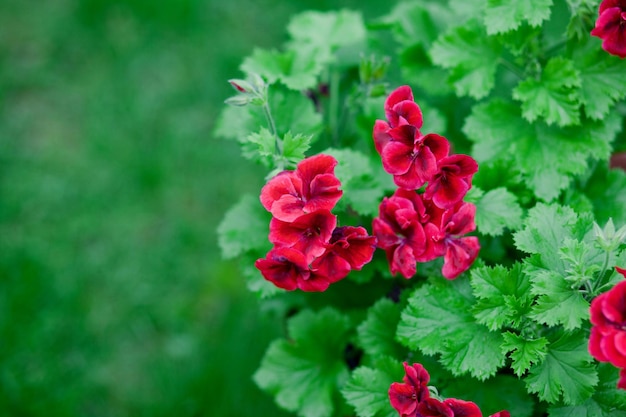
{"x": 400, "y": 109}
{"x": 607, "y": 342}
{"x": 352, "y": 244}
{"x": 406, "y": 396}
{"x": 312, "y": 186}
{"x": 400, "y": 233}
{"x": 286, "y": 267}
{"x": 412, "y": 158}
{"x": 454, "y": 178}
{"x": 309, "y": 233}
{"x": 458, "y": 252}
{"x": 611, "y": 27}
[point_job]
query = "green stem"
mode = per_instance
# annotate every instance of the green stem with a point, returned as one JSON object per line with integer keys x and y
{"x": 272, "y": 126}
{"x": 598, "y": 283}
{"x": 556, "y": 46}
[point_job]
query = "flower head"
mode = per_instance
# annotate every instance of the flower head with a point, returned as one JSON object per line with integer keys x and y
{"x": 406, "y": 396}
{"x": 312, "y": 186}
{"x": 611, "y": 27}
{"x": 607, "y": 342}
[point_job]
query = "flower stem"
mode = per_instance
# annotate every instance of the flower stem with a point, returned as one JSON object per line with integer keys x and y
{"x": 513, "y": 68}
{"x": 333, "y": 116}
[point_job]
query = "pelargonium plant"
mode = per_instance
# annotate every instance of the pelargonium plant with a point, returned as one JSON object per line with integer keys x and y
{"x": 443, "y": 221}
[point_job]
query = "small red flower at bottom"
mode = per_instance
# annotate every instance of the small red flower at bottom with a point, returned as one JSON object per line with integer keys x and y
{"x": 611, "y": 27}
{"x": 405, "y": 397}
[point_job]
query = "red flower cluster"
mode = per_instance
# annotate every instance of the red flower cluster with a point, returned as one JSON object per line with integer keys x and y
{"x": 611, "y": 27}
{"x": 607, "y": 342}
{"x": 412, "y": 398}
{"x": 310, "y": 252}
{"x": 414, "y": 227}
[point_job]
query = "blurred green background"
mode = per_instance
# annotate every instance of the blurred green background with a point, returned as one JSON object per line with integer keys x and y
{"x": 113, "y": 298}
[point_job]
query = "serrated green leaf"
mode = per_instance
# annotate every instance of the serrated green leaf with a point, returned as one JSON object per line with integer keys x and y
{"x": 502, "y": 295}
{"x": 496, "y": 210}
{"x": 558, "y": 302}
{"x": 294, "y": 147}
{"x": 602, "y": 80}
{"x": 566, "y": 370}
{"x": 582, "y": 261}
{"x": 438, "y": 319}
{"x": 472, "y": 56}
{"x": 367, "y": 389}
{"x": 417, "y": 23}
{"x": 376, "y": 335}
{"x": 547, "y": 226}
{"x": 303, "y": 379}
{"x": 505, "y": 15}
{"x": 243, "y": 228}
{"x": 607, "y": 401}
{"x": 260, "y": 147}
{"x": 524, "y": 352}
{"x": 417, "y": 69}
{"x": 235, "y": 123}
{"x": 499, "y": 133}
{"x": 554, "y": 96}
{"x": 607, "y": 191}
{"x": 296, "y": 71}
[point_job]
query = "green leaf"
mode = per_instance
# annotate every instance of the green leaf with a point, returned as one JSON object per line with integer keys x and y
{"x": 582, "y": 261}
{"x": 296, "y": 71}
{"x": 524, "y": 352}
{"x": 547, "y": 226}
{"x": 558, "y": 301}
{"x": 554, "y": 96}
{"x": 607, "y": 191}
{"x": 304, "y": 371}
{"x": 376, "y": 335}
{"x": 607, "y": 401}
{"x": 438, "y": 319}
{"x": 367, "y": 389}
{"x": 498, "y": 132}
{"x": 243, "y": 228}
{"x": 602, "y": 80}
{"x": 294, "y": 147}
{"x": 566, "y": 370}
{"x": 260, "y": 147}
{"x": 502, "y": 295}
{"x": 471, "y": 55}
{"x": 496, "y": 210}
{"x": 505, "y": 15}
{"x": 326, "y": 30}
{"x": 363, "y": 181}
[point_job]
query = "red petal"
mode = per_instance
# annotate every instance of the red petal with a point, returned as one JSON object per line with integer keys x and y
{"x": 315, "y": 165}
{"x": 463, "y": 408}
{"x": 288, "y": 208}
{"x": 502, "y": 413}
{"x": 308, "y": 233}
{"x": 407, "y": 112}
{"x": 330, "y": 266}
{"x": 597, "y": 316}
{"x": 402, "y": 398}
{"x": 385, "y": 235}
{"x": 460, "y": 254}
{"x": 401, "y": 93}
{"x": 315, "y": 283}
{"x": 594, "y": 348}
{"x": 611, "y": 29}
{"x": 446, "y": 191}
{"x": 439, "y": 146}
{"x": 404, "y": 261}
{"x": 462, "y": 221}
{"x": 612, "y": 345}
{"x": 397, "y": 158}
{"x": 323, "y": 194}
{"x": 284, "y": 267}
{"x": 285, "y": 183}
{"x": 432, "y": 407}
{"x": 381, "y": 135}
{"x": 354, "y": 245}
{"x": 621, "y": 384}
{"x": 614, "y": 305}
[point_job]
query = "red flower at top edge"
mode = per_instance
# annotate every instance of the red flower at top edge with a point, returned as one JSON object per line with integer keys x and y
{"x": 312, "y": 186}
{"x": 400, "y": 109}
{"x": 607, "y": 342}
{"x": 611, "y": 27}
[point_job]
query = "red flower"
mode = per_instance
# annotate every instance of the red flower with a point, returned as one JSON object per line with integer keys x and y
{"x": 352, "y": 244}
{"x": 621, "y": 384}
{"x": 458, "y": 252}
{"x": 462, "y": 408}
{"x": 399, "y": 231}
{"x": 400, "y": 109}
{"x": 312, "y": 186}
{"x": 611, "y": 27}
{"x": 285, "y": 267}
{"x": 607, "y": 342}
{"x": 309, "y": 233}
{"x": 406, "y": 396}
{"x": 502, "y": 413}
{"x": 450, "y": 184}
{"x": 412, "y": 158}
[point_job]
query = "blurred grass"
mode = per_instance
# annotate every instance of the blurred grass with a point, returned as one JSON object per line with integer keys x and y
{"x": 113, "y": 300}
